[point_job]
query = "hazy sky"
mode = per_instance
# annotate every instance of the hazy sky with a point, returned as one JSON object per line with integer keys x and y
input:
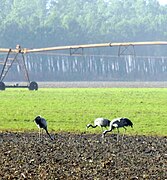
{"x": 162, "y": 1}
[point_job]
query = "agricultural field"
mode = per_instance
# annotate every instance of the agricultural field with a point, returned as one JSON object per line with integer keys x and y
{"x": 77, "y": 153}
{"x": 82, "y": 156}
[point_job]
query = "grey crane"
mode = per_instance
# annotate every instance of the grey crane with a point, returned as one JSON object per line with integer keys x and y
{"x": 42, "y": 124}
{"x": 118, "y": 123}
{"x": 101, "y": 122}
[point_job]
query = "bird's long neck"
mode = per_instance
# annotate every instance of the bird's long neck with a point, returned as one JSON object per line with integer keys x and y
{"x": 90, "y": 125}
{"x": 109, "y": 130}
{"x": 106, "y": 131}
{"x": 48, "y": 134}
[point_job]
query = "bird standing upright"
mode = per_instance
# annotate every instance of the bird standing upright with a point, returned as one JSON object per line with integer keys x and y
{"x": 118, "y": 123}
{"x": 41, "y": 123}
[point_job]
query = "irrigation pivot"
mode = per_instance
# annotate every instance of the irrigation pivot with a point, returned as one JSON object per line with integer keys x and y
{"x": 12, "y": 56}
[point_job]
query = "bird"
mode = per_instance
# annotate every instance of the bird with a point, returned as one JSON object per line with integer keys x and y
{"x": 41, "y": 123}
{"x": 101, "y": 122}
{"x": 118, "y": 123}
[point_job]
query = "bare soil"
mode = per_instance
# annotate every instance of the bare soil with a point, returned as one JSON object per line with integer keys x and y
{"x": 82, "y": 156}
{"x": 103, "y": 84}
{"x": 95, "y": 84}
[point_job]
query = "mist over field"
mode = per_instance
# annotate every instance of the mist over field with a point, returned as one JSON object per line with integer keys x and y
{"x": 46, "y": 23}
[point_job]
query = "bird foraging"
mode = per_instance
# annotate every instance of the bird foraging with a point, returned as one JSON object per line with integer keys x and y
{"x": 101, "y": 122}
{"x": 118, "y": 123}
{"x": 42, "y": 124}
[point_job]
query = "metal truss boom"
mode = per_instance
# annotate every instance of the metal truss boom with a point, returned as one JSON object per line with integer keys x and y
{"x": 26, "y": 50}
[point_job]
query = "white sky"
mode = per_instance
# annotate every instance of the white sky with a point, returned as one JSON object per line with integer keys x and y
{"x": 163, "y": 2}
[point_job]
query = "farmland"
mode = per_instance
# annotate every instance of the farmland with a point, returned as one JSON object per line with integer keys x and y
{"x": 82, "y": 156}
{"x": 70, "y": 109}
{"x": 76, "y": 153}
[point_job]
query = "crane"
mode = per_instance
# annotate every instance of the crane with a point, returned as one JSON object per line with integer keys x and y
{"x": 41, "y": 123}
{"x": 118, "y": 123}
{"x": 101, "y": 122}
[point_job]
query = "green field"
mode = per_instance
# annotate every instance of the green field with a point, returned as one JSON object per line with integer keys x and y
{"x": 70, "y": 109}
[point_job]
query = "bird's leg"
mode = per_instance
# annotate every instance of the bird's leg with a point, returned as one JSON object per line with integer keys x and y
{"x": 118, "y": 134}
{"x": 39, "y": 134}
{"x": 124, "y": 133}
{"x": 42, "y": 135}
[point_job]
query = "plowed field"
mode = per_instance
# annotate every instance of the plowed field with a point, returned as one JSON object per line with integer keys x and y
{"x": 82, "y": 156}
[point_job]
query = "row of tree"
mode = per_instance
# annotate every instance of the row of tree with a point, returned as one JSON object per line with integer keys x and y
{"x": 43, "y": 23}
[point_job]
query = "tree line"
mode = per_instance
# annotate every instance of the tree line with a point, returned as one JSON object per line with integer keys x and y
{"x": 43, "y": 23}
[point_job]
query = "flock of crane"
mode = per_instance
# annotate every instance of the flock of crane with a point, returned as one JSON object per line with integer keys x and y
{"x": 101, "y": 122}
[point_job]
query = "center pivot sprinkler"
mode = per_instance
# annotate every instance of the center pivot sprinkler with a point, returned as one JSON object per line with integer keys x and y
{"x": 12, "y": 56}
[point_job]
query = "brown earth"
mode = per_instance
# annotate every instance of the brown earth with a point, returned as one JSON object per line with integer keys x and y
{"x": 95, "y": 84}
{"x": 82, "y": 156}
{"x": 102, "y": 84}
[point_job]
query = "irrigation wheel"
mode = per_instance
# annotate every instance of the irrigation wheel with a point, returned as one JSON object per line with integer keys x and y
{"x": 2, "y": 86}
{"x": 33, "y": 86}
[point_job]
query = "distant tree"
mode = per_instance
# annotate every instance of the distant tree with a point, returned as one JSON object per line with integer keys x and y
{"x": 43, "y": 23}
